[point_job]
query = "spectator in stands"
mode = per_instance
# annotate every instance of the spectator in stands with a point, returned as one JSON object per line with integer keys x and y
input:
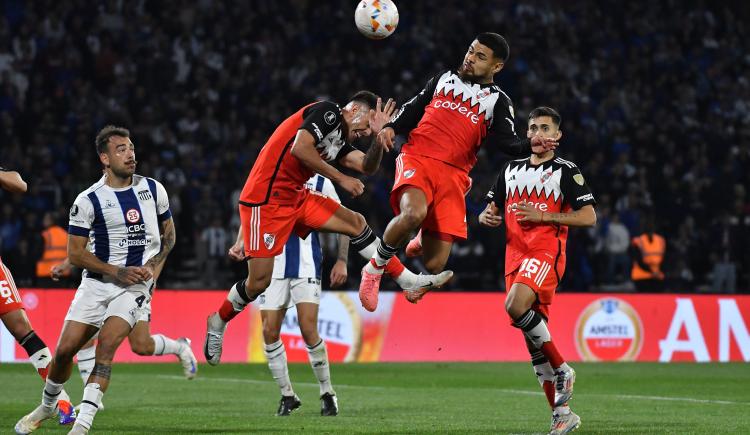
{"x": 647, "y": 252}
{"x": 207, "y": 81}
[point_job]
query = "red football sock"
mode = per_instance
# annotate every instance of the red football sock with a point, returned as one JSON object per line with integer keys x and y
{"x": 227, "y": 312}
{"x": 43, "y": 372}
{"x": 394, "y": 267}
{"x": 553, "y": 356}
{"x": 549, "y": 391}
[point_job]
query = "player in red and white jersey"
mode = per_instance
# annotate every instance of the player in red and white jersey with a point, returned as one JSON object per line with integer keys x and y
{"x": 456, "y": 113}
{"x": 14, "y": 317}
{"x": 543, "y": 196}
{"x": 275, "y": 203}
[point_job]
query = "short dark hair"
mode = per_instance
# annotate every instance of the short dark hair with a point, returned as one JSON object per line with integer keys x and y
{"x": 498, "y": 44}
{"x": 365, "y": 97}
{"x": 102, "y": 138}
{"x": 546, "y": 111}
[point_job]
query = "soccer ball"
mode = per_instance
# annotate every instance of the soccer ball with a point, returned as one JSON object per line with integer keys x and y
{"x": 376, "y": 19}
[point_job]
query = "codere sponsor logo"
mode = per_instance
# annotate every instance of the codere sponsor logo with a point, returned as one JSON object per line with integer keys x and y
{"x": 457, "y": 107}
{"x": 609, "y": 329}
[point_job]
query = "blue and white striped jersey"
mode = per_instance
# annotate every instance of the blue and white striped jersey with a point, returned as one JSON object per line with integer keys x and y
{"x": 122, "y": 224}
{"x": 303, "y": 258}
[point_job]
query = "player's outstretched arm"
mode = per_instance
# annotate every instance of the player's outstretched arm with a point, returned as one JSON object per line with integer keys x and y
{"x": 168, "y": 239}
{"x": 12, "y": 181}
{"x": 583, "y": 217}
{"x": 79, "y": 256}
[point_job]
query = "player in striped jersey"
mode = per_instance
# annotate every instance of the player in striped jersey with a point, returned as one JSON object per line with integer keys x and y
{"x": 542, "y": 195}
{"x": 140, "y": 339}
{"x": 121, "y": 231}
{"x": 14, "y": 317}
{"x": 296, "y": 282}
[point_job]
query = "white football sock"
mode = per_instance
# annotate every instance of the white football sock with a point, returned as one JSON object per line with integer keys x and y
{"x": 276, "y": 356}
{"x": 40, "y": 360}
{"x": 319, "y": 361}
{"x": 165, "y": 346}
{"x": 51, "y": 393}
{"x": 92, "y": 397}
{"x": 534, "y": 328}
{"x": 86, "y": 360}
{"x": 544, "y": 372}
{"x": 238, "y": 301}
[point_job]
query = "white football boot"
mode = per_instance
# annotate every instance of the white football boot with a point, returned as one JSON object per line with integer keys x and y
{"x": 187, "y": 358}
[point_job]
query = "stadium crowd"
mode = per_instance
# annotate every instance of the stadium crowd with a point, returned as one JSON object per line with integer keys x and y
{"x": 654, "y": 97}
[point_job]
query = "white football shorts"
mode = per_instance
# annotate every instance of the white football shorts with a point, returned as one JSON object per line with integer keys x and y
{"x": 284, "y": 293}
{"x": 96, "y": 301}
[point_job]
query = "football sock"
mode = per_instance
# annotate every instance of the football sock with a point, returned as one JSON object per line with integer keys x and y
{"x": 366, "y": 244}
{"x": 384, "y": 253}
{"x": 92, "y": 397}
{"x": 51, "y": 393}
{"x": 319, "y": 361}
{"x": 165, "y": 345}
{"x": 86, "y": 359}
{"x": 38, "y": 352}
{"x": 545, "y": 374}
{"x": 562, "y": 409}
{"x": 276, "y": 356}
{"x": 535, "y": 329}
{"x": 236, "y": 301}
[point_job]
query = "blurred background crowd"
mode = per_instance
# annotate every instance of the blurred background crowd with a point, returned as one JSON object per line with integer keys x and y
{"x": 655, "y": 100}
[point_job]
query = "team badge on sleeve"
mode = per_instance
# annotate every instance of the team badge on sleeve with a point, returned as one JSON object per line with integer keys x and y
{"x": 578, "y": 178}
{"x": 74, "y": 211}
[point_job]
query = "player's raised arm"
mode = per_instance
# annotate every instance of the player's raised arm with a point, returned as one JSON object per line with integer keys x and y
{"x": 369, "y": 162}
{"x": 12, "y": 181}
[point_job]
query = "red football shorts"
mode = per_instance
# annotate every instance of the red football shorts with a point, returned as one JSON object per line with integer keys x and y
{"x": 266, "y": 228}
{"x": 445, "y": 188}
{"x": 10, "y": 299}
{"x": 538, "y": 272}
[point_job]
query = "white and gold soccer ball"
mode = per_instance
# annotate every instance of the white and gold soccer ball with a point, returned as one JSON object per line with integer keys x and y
{"x": 376, "y": 19}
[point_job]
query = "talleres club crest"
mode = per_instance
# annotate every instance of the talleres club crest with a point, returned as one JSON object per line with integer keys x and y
{"x": 609, "y": 329}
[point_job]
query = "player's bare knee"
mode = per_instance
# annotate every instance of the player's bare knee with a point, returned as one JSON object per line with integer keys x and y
{"x": 412, "y": 216}
{"x": 511, "y": 307}
{"x": 271, "y": 334}
{"x": 64, "y": 354}
{"x": 358, "y": 224}
{"x": 310, "y": 335}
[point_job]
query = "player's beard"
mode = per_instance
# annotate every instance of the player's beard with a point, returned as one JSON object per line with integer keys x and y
{"x": 123, "y": 172}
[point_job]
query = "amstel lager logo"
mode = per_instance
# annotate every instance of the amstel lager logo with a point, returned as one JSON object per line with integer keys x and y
{"x": 609, "y": 329}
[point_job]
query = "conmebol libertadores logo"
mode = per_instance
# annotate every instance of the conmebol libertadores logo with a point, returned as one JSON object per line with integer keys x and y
{"x": 609, "y": 329}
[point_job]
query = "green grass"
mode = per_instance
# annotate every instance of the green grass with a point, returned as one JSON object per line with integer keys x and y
{"x": 404, "y": 398}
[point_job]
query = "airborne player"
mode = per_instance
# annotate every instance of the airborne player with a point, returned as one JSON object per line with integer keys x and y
{"x": 457, "y": 112}
{"x": 543, "y": 196}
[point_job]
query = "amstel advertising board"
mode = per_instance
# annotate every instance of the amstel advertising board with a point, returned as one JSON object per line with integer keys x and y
{"x": 445, "y": 327}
